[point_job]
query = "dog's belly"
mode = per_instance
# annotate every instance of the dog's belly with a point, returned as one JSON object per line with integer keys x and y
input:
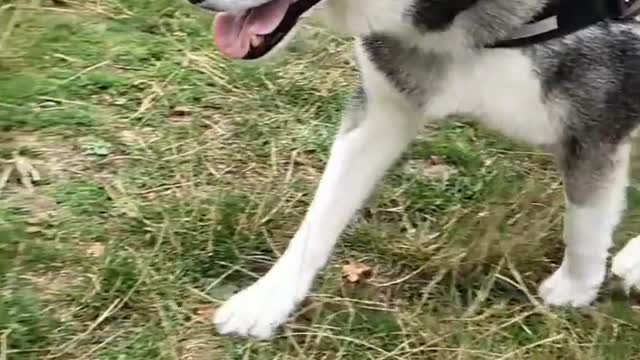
{"x": 501, "y": 89}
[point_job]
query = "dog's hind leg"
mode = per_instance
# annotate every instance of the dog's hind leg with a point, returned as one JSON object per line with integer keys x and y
{"x": 371, "y": 138}
{"x": 596, "y": 177}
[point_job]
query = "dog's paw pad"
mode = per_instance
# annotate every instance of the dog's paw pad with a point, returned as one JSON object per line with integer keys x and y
{"x": 562, "y": 290}
{"x": 626, "y": 264}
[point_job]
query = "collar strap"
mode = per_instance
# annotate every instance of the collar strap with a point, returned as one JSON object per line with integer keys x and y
{"x": 564, "y": 17}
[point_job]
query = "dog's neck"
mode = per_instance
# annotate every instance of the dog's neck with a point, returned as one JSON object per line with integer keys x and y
{"x": 468, "y": 25}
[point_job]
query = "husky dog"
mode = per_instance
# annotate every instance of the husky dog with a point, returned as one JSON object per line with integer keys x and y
{"x": 576, "y": 96}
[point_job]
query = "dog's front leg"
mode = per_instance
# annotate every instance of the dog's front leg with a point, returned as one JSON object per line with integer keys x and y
{"x": 373, "y": 135}
{"x": 596, "y": 178}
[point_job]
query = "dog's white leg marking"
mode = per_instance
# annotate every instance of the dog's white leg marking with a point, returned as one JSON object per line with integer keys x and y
{"x": 359, "y": 158}
{"x": 588, "y": 236}
{"x": 626, "y": 264}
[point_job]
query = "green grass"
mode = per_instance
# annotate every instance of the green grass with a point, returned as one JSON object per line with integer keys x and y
{"x": 163, "y": 192}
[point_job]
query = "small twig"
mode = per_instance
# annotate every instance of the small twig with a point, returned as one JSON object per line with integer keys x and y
{"x": 64, "y": 348}
{"x": 4, "y": 178}
{"x": 165, "y": 187}
{"x": 219, "y": 280}
{"x": 519, "y": 284}
{"x": 533, "y": 153}
{"x": 235, "y": 267}
{"x": 531, "y": 346}
{"x": 150, "y": 100}
{"x": 347, "y": 339}
{"x": 203, "y": 295}
{"x": 190, "y": 152}
{"x": 44, "y": 8}
{"x": 13, "y": 19}
{"x": 99, "y": 346}
{"x": 10, "y": 105}
{"x": 121, "y": 157}
{"x": 401, "y": 280}
{"x": 89, "y": 69}
{"x": 65, "y": 58}
{"x": 49, "y": 98}
{"x": 4, "y": 347}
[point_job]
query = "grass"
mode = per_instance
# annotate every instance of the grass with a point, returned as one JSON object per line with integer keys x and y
{"x": 172, "y": 177}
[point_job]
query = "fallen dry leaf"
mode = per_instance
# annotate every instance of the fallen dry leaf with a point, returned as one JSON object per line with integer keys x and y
{"x": 150, "y": 196}
{"x": 356, "y": 271}
{"x": 435, "y": 160}
{"x": 25, "y": 169}
{"x": 436, "y": 168}
{"x": 205, "y": 314}
{"x": 199, "y": 345}
{"x": 180, "y": 115}
{"x": 138, "y": 137}
{"x": 33, "y": 229}
{"x": 443, "y": 172}
{"x": 94, "y": 249}
{"x": 433, "y": 168}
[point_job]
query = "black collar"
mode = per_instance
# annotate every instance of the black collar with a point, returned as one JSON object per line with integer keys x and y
{"x": 563, "y": 17}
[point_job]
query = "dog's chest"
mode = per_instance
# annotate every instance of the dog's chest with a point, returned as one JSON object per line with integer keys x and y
{"x": 499, "y": 87}
{"x": 414, "y": 74}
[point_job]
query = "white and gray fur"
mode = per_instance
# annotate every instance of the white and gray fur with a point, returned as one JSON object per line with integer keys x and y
{"x": 421, "y": 60}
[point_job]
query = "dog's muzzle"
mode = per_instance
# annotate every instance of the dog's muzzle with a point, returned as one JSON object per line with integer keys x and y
{"x": 251, "y": 33}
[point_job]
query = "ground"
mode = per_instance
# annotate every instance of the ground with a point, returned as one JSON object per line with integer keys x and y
{"x": 167, "y": 178}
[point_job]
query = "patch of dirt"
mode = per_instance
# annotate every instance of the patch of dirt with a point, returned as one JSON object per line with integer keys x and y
{"x": 138, "y": 137}
{"x": 34, "y": 163}
{"x": 93, "y": 249}
{"x": 41, "y": 208}
{"x": 54, "y": 283}
{"x": 53, "y": 156}
{"x": 433, "y": 168}
{"x": 54, "y": 288}
{"x": 200, "y": 348}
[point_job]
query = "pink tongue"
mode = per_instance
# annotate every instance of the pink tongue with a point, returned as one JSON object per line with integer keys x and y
{"x": 232, "y": 32}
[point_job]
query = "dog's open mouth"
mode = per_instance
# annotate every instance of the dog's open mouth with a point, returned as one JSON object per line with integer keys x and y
{"x": 252, "y": 33}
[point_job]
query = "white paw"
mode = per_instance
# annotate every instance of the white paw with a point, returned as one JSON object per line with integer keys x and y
{"x": 257, "y": 311}
{"x": 560, "y": 289}
{"x": 626, "y": 264}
